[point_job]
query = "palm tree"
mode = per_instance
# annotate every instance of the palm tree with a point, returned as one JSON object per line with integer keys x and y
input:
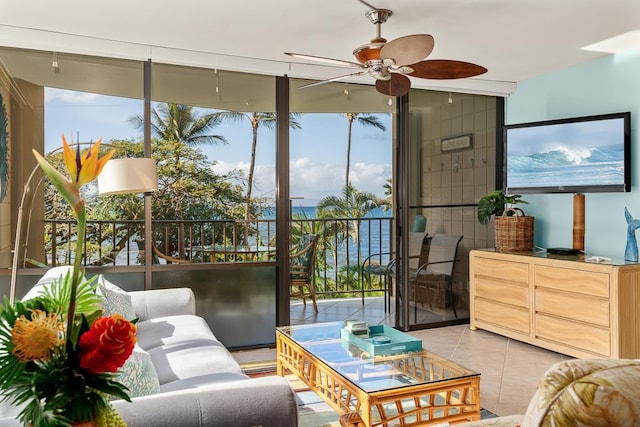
{"x": 352, "y": 204}
{"x": 178, "y": 124}
{"x": 256, "y": 119}
{"x": 365, "y": 120}
{"x": 387, "y": 202}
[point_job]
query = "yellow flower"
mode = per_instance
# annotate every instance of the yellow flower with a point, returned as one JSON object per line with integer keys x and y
{"x": 35, "y": 339}
{"x": 86, "y": 167}
{"x": 81, "y": 168}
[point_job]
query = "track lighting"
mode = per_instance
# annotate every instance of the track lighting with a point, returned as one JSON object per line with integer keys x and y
{"x": 54, "y": 63}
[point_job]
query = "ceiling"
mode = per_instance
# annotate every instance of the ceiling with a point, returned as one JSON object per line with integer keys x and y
{"x": 515, "y": 39}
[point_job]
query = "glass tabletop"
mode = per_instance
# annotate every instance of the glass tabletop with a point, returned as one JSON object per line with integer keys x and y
{"x": 325, "y": 342}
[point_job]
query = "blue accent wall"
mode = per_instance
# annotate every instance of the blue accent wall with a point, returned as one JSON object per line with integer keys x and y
{"x": 610, "y": 84}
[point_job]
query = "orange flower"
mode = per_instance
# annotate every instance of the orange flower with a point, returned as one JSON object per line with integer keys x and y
{"x": 84, "y": 168}
{"x": 107, "y": 344}
{"x": 81, "y": 169}
{"x": 38, "y": 337}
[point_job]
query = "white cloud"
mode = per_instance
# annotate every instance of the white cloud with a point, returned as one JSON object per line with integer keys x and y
{"x": 313, "y": 180}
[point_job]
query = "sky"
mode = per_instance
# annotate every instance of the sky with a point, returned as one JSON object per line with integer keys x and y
{"x": 317, "y": 151}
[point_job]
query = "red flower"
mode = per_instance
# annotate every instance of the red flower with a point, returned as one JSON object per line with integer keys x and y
{"x": 107, "y": 344}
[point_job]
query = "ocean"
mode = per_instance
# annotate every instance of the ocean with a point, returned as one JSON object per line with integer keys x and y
{"x": 374, "y": 235}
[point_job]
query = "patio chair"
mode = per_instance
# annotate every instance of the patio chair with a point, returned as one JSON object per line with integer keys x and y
{"x": 432, "y": 282}
{"x": 373, "y": 267}
{"x": 157, "y": 255}
{"x": 301, "y": 267}
{"x": 169, "y": 259}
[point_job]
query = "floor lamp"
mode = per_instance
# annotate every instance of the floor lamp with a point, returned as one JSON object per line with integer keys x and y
{"x": 119, "y": 176}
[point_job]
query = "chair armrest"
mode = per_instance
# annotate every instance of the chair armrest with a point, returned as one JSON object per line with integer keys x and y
{"x": 375, "y": 255}
{"x": 266, "y": 401}
{"x": 423, "y": 266}
{"x": 163, "y": 302}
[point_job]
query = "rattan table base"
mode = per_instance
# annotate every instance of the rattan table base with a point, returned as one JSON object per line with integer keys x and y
{"x": 451, "y": 400}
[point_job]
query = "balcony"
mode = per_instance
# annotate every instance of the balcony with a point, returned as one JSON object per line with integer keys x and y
{"x": 231, "y": 266}
{"x": 344, "y": 244}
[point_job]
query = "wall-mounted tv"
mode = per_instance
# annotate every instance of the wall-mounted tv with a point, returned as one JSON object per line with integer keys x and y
{"x": 575, "y": 155}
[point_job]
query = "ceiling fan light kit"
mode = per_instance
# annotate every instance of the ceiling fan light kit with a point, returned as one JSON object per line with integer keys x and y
{"x": 389, "y": 63}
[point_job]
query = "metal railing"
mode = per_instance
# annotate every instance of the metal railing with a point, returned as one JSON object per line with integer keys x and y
{"x": 343, "y": 245}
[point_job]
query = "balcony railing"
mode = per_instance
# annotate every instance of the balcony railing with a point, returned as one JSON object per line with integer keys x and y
{"x": 344, "y": 244}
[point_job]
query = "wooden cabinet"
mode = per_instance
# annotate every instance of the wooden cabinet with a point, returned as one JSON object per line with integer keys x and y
{"x": 562, "y": 304}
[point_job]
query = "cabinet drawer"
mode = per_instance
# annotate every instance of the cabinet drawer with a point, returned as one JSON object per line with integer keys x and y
{"x": 505, "y": 270}
{"x": 504, "y": 292}
{"x": 584, "y": 282}
{"x": 584, "y": 337}
{"x": 582, "y": 308}
{"x": 502, "y": 315}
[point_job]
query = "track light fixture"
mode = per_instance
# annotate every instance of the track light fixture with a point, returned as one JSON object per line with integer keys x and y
{"x": 54, "y": 63}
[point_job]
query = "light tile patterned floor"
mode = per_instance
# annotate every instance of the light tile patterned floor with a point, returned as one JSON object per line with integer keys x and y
{"x": 510, "y": 370}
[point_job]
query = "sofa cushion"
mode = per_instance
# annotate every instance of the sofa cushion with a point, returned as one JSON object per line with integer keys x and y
{"x": 50, "y": 276}
{"x": 171, "y": 330}
{"x": 115, "y": 299}
{"x": 202, "y": 381}
{"x": 138, "y": 374}
{"x": 586, "y": 392}
{"x": 191, "y": 358}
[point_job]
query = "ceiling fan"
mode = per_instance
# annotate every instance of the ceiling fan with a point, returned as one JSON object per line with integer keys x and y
{"x": 389, "y": 63}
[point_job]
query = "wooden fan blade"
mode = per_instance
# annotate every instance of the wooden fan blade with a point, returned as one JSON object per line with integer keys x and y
{"x": 408, "y": 49}
{"x": 331, "y": 61}
{"x": 397, "y": 85}
{"x": 333, "y": 79}
{"x": 441, "y": 69}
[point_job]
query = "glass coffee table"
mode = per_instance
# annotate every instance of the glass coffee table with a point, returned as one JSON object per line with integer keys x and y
{"x": 409, "y": 389}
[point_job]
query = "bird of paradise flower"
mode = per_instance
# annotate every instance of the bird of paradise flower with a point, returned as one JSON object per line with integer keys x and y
{"x": 58, "y": 355}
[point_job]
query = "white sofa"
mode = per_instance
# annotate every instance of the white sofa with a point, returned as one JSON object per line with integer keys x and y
{"x": 198, "y": 383}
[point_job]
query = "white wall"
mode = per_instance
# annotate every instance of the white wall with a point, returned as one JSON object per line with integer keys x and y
{"x": 606, "y": 85}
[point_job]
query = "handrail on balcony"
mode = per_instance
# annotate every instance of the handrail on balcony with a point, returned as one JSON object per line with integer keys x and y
{"x": 343, "y": 246}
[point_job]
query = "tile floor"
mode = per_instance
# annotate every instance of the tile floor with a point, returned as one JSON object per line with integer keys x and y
{"x": 510, "y": 370}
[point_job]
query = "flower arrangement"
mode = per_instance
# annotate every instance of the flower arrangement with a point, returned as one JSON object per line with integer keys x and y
{"x": 58, "y": 356}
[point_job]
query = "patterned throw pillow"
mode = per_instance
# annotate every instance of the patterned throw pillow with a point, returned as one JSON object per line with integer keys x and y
{"x": 115, "y": 300}
{"x": 139, "y": 375}
{"x": 587, "y": 392}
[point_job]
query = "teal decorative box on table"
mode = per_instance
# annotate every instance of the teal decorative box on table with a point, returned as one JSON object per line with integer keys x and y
{"x": 383, "y": 341}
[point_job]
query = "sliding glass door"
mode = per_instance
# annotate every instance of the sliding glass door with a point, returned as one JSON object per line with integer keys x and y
{"x": 449, "y": 163}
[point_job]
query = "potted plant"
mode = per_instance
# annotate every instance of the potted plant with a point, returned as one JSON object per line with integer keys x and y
{"x": 513, "y": 229}
{"x": 494, "y": 203}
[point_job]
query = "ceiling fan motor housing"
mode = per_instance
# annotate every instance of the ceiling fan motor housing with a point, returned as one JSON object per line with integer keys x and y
{"x": 370, "y": 51}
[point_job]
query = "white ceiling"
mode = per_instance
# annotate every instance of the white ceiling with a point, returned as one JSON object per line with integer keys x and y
{"x": 515, "y": 39}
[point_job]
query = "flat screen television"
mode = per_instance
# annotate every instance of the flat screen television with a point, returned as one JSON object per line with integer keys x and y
{"x": 575, "y": 155}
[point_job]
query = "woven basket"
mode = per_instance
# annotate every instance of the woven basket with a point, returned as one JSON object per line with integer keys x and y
{"x": 514, "y": 233}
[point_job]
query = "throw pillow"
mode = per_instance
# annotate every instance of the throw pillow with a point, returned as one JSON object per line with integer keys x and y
{"x": 115, "y": 299}
{"x": 587, "y": 392}
{"x": 138, "y": 374}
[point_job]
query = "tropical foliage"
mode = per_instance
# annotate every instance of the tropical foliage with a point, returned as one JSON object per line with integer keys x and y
{"x": 193, "y": 192}
{"x": 495, "y": 203}
{"x": 368, "y": 120}
{"x": 342, "y": 216}
{"x": 59, "y": 357}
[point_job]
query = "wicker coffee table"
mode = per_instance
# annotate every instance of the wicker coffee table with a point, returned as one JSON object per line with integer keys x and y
{"x": 409, "y": 389}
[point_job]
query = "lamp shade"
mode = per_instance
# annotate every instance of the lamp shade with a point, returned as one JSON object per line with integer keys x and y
{"x": 128, "y": 175}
